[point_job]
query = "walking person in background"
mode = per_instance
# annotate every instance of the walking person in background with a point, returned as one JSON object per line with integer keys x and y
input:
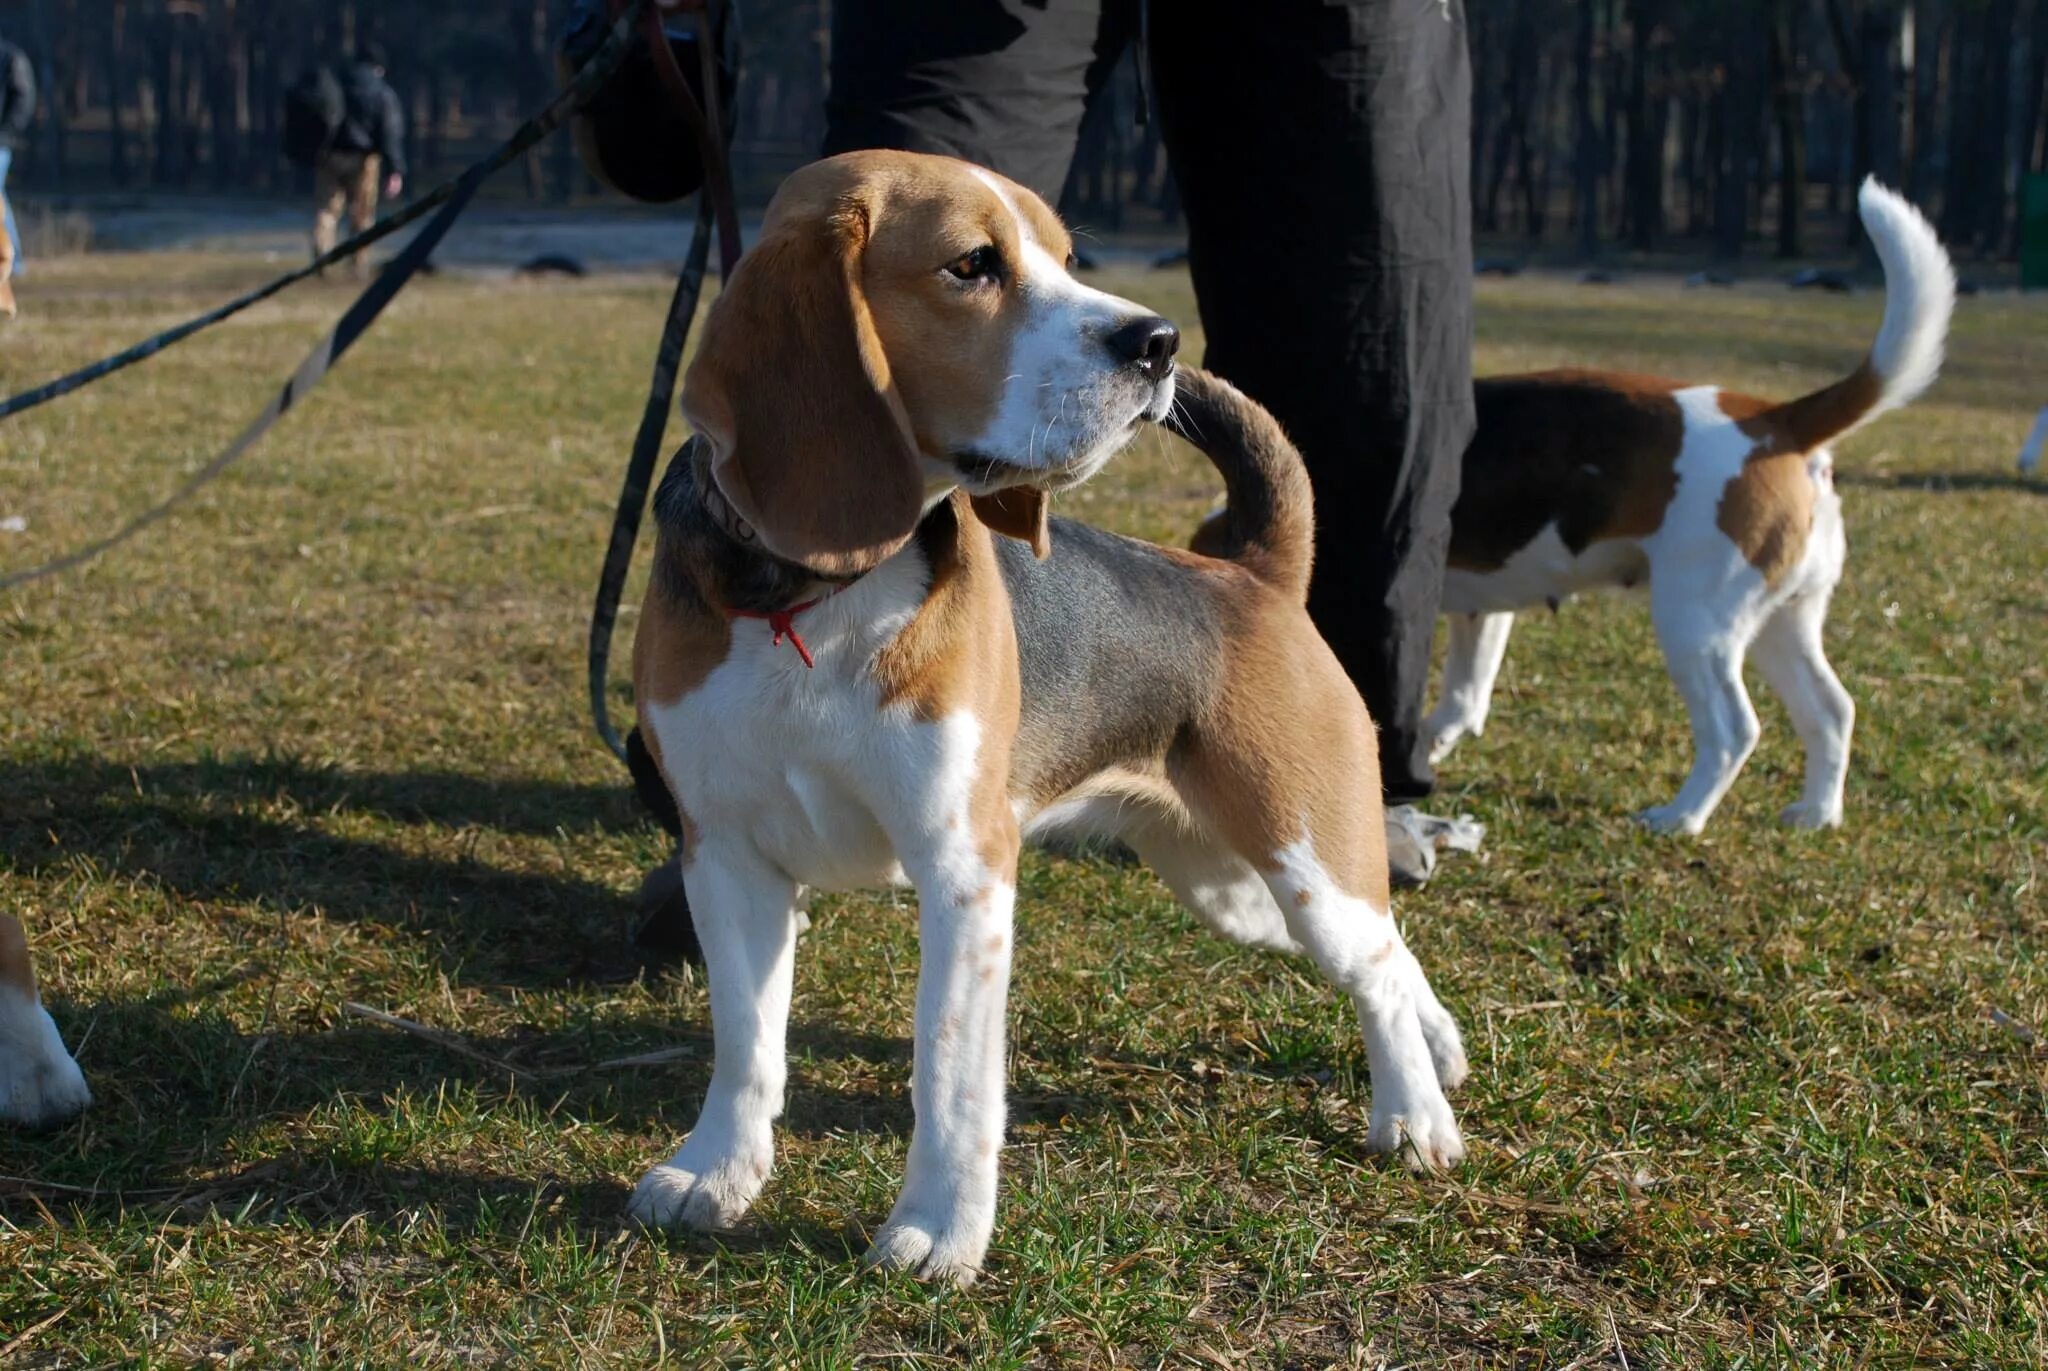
{"x": 366, "y": 146}
{"x": 17, "y": 108}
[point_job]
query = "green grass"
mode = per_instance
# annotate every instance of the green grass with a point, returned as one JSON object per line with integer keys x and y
{"x": 1735, "y": 1101}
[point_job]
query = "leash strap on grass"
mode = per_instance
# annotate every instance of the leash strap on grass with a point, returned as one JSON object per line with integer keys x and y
{"x": 453, "y": 199}
{"x": 353, "y": 325}
{"x": 594, "y": 73}
{"x": 618, "y": 556}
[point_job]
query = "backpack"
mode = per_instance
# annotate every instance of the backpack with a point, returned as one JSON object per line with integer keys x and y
{"x": 314, "y": 108}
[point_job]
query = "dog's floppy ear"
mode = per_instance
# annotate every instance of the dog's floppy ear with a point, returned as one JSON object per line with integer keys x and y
{"x": 791, "y": 388}
{"x": 1018, "y": 512}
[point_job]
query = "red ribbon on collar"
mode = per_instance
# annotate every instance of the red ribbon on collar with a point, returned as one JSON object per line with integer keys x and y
{"x": 783, "y": 621}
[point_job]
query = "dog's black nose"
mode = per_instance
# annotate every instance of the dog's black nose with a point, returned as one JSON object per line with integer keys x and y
{"x": 1148, "y": 343}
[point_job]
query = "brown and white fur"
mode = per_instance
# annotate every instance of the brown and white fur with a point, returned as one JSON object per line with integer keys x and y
{"x": 1723, "y": 504}
{"x": 40, "y": 1085}
{"x": 899, "y": 371}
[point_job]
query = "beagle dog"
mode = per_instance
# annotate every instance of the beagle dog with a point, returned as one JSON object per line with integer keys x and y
{"x": 867, "y": 656}
{"x": 1723, "y": 504}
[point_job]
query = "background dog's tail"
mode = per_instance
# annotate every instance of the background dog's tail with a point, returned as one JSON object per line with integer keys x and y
{"x": 1920, "y": 295}
{"x": 1268, "y": 522}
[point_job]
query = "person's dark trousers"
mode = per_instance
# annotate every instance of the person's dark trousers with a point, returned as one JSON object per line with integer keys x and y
{"x": 1323, "y": 155}
{"x": 1321, "y": 152}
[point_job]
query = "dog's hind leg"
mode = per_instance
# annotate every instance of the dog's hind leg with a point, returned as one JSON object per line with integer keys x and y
{"x": 1788, "y": 651}
{"x": 1474, "y": 646}
{"x": 1703, "y": 647}
{"x": 1288, "y": 786}
{"x": 40, "y": 1084}
{"x": 747, "y": 923}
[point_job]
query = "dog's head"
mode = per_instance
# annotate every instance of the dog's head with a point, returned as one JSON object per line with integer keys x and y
{"x": 906, "y": 325}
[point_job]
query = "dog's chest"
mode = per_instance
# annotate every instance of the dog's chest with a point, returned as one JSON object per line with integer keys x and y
{"x": 807, "y": 766}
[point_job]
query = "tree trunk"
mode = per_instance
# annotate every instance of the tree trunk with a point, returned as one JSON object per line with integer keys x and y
{"x": 1739, "y": 128}
{"x": 1645, "y": 169}
{"x": 1788, "y": 97}
{"x": 117, "y": 132}
{"x": 1987, "y": 150}
{"x": 1585, "y": 138}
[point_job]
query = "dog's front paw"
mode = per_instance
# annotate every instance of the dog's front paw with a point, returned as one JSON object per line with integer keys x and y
{"x": 930, "y": 1247}
{"x": 1806, "y": 814}
{"x": 40, "y": 1085}
{"x": 708, "y": 1198}
{"x": 1671, "y": 819}
{"x": 1421, "y": 1130}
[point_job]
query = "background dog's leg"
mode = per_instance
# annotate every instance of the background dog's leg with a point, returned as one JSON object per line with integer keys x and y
{"x": 1789, "y": 653}
{"x": 39, "y": 1083}
{"x": 747, "y": 921}
{"x": 941, "y": 1224}
{"x": 1474, "y": 646}
{"x": 1703, "y": 649}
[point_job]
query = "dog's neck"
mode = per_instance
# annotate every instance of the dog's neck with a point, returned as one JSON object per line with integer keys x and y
{"x": 711, "y": 554}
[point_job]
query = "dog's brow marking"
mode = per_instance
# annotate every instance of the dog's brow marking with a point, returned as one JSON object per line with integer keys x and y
{"x": 1009, "y": 203}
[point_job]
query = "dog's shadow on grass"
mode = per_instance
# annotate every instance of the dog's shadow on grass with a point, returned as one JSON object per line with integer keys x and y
{"x": 185, "y": 1097}
{"x": 250, "y": 831}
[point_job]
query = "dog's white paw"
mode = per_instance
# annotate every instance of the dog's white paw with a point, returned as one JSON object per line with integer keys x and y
{"x": 1805, "y": 814}
{"x": 1671, "y": 819}
{"x": 679, "y": 1195}
{"x": 931, "y": 1248}
{"x": 1422, "y": 1130}
{"x": 40, "y": 1085}
{"x": 928, "y": 1251}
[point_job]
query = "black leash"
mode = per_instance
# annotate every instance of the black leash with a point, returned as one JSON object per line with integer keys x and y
{"x": 618, "y": 556}
{"x": 715, "y": 206}
{"x": 602, "y": 64}
{"x": 452, "y": 197}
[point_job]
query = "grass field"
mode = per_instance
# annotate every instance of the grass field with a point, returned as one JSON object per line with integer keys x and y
{"x": 1739, "y": 1100}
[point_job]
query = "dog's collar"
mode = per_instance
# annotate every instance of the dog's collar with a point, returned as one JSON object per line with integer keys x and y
{"x": 729, "y": 525}
{"x": 783, "y": 622}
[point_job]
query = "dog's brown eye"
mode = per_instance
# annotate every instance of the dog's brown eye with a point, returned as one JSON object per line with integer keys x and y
{"x": 976, "y": 265}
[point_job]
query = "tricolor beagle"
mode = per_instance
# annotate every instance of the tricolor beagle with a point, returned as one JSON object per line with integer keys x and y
{"x": 847, "y": 680}
{"x": 1722, "y": 504}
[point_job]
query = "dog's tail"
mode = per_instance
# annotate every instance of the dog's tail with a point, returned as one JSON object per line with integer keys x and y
{"x": 1268, "y": 522}
{"x": 1920, "y": 295}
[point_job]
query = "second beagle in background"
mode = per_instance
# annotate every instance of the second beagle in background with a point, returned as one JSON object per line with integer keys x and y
{"x": 866, "y": 656}
{"x": 1723, "y": 504}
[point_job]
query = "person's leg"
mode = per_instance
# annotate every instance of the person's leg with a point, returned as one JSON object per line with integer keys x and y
{"x": 1002, "y": 85}
{"x": 1322, "y": 156}
{"x": 330, "y": 199}
{"x": 362, "y": 204}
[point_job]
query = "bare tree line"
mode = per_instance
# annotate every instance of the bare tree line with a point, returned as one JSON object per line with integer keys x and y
{"x": 1600, "y": 125}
